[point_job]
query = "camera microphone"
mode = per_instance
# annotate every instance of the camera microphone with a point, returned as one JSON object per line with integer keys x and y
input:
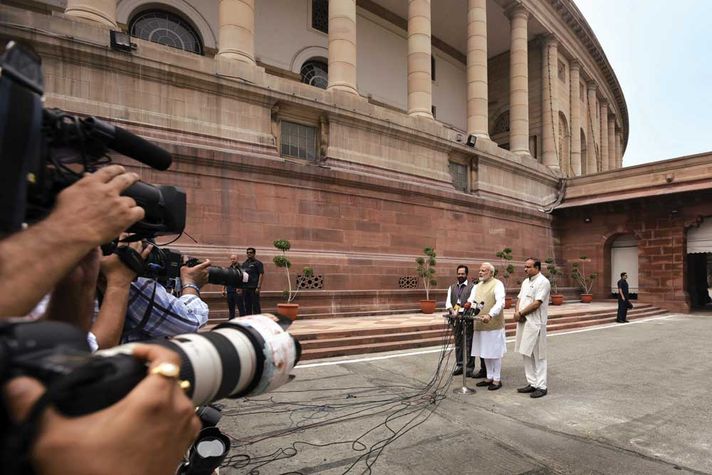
{"x": 130, "y": 144}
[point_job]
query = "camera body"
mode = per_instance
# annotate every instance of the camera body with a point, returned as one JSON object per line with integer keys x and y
{"x": 163, "y": 264}
{"x": 43, "y": 151}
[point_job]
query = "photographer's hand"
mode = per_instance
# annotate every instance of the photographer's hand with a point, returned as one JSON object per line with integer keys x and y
{"x": 73, "y": 298}
{"x": 197, "y": 275}
{"x": 148, "y": 431}
{"x": 109, "y": 324}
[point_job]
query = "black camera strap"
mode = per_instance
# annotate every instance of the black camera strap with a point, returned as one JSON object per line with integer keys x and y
{"x": 147, "y": 314}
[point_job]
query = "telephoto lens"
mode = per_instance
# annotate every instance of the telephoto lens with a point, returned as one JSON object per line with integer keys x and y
{"x": 245, "y": 356}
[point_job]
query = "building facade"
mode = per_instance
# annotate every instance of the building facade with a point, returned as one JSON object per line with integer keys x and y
{"x": 362, "y": 131}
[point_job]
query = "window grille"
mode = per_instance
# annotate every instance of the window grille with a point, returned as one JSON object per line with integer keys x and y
{"x": 458, "y": 171}
{"x": 298, "y": 141}
{"x": 315, "y": 73}
{"x": 166, "y": 28}
{"x": 320, "y": 15}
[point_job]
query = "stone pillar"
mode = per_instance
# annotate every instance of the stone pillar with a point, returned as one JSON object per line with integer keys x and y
{"x": 477, "y": 88}
{"x": 604, "y": 134}
{"x": 342, "y": 46}
{"x": 612, "y": 156}
{"x": 619, "y": 148}
{"x": 100, "y": 11}
{"x": 575, "y": 82}
{"x": 420, "y": 87}
{"x": 236, "y": 34}
{"x": 518, "y": 82}
{"x": 550, "y": 108}
{"x": 591, "y": 164}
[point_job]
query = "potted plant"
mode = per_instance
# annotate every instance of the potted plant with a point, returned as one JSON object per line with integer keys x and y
{"x": 426, "y": 271}
{"x": 289, "y": 309}
{"x": 505, "y": 258}
{"x": 553, "y": 273}
{"x": 584, "y": 281}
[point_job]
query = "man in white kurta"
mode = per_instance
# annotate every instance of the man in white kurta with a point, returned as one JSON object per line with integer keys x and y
{"x": 489, "y": 340}
{"x": 531, "y": 313}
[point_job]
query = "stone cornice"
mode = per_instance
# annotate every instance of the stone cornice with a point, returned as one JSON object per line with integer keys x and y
{"x": 575, "y": 20}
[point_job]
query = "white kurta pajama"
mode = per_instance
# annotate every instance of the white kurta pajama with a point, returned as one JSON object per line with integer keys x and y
{"x": 531, "y": 334}
{"x": 491, "y": 345}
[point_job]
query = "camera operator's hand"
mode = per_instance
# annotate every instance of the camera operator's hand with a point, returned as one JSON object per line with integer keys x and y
{"x": 93, "y": 210}
{"x": 197, "y": 275}
{"x": 87, "y": 214}
{"x": 146, "y": 432}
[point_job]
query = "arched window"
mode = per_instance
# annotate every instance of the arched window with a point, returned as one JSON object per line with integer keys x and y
{"x": 584, "y": 154}
{"x": 166, "y": 28}
{"x": 315, "y": 73}
{"x": 564, "y": 140}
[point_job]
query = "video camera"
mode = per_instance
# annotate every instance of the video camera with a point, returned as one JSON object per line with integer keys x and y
{"x": 43, "y": 151}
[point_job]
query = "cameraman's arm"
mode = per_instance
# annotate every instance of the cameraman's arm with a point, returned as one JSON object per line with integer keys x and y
{"x": 87, "y": 214}
{"x": 73, "y": 298}
{"x": 109, "y": 324}
{"x": 148, "y": 431}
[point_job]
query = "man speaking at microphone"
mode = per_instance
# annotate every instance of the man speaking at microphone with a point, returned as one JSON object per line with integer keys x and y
{"x": 489, "y": 340}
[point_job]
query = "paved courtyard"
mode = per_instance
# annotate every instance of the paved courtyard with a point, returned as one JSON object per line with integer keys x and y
{"x": 631, "y": 398}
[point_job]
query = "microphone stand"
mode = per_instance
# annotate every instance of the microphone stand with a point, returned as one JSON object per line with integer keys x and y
{"x": 463, "y": 318}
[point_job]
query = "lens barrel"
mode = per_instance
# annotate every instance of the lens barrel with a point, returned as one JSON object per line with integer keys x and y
{"x": 244, "y": 356}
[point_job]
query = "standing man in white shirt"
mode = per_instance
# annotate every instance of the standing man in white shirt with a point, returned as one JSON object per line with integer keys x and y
{"x": 531, "y": 313}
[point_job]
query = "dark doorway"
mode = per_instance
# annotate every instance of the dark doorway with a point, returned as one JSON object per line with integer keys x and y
{"x": 699, "y": 272}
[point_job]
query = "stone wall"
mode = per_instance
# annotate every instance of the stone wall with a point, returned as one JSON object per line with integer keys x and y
{"x": 659, "y": 224}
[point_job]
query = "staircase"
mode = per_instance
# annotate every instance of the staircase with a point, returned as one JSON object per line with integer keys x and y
{"x": 358, "y": 335}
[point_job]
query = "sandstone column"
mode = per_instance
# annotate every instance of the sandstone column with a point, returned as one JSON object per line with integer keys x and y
{"x": 612, "y": 156}
{"x": 342, "y": 46}
{"x": 477, "y": 88}
{"x": 420, "y": 87}
{"x": 518, "y": 82}
{"x": 575, "y": 81}
{"x": 550, "y": 108}
{"x": 592, "y": 163}
{"x": 100, "y": 11}
{"x": 619, "y": 148}
{"x": 236, "y": 36}
{"x": 604, "y": 134}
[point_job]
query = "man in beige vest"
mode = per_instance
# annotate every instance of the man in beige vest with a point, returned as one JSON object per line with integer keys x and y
{"x": 531, "y": 314}
{"x": 489, "y": 340}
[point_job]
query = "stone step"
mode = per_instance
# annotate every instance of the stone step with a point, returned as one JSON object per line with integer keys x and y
{"x": 344, "y": 343}
{"x": 442, "y": 332}
{"x": 554, "y": 318}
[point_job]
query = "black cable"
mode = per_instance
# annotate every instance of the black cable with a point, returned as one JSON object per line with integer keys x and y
{"x": 403, "y": 413}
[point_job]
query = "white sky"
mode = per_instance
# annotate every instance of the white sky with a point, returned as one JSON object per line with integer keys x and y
{"x": 661, "y": 52}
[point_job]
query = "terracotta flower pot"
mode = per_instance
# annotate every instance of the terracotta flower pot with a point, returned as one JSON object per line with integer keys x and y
{"x": 289, "y": 310}
{"x": 557, "y": 299}
{"x": 586, "y": 298}
{"x": 508, "y": 302}
{"x": 427, "y": 306}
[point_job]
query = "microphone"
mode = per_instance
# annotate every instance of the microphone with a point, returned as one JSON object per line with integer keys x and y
{"x": 129, "y": 144}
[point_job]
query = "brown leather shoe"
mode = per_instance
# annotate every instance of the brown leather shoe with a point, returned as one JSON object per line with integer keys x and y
{"x": 526, "y": 389}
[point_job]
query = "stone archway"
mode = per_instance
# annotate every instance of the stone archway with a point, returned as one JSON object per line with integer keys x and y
{"x": 699, "y": 264}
